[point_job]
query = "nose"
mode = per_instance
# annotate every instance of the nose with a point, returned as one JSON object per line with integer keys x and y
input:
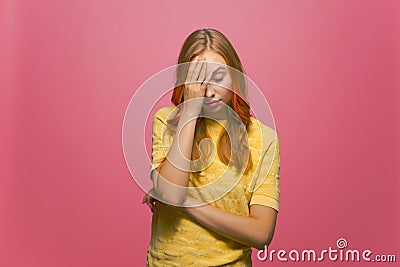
{"x": 209, "y": 91}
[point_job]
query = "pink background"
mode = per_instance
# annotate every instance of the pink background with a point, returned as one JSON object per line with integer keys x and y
{"x": 69, "y": 69}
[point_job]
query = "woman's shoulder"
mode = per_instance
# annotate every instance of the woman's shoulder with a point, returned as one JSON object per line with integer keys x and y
{"x": 261, "y": 133}
{"x": 165, "y": 113}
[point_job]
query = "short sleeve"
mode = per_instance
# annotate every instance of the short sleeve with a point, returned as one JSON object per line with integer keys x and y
{"x": 266, "y": 191}
{"x": 160, "y": 140}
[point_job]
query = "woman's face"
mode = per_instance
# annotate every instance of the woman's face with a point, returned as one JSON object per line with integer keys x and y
{"x": 217, "y": 93}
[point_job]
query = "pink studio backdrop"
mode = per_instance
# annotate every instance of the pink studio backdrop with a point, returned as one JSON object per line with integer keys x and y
{"x": 329, "y": 70}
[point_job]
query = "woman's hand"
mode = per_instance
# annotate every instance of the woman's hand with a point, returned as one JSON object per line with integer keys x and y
{"x": 150, "y": 200}
{"x": 195, "y": 86}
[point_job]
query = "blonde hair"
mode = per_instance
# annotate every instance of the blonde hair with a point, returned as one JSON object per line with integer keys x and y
{"x": 196, "y": 43}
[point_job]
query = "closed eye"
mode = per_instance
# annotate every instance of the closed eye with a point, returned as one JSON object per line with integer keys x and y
{"x": 218, "y": 80}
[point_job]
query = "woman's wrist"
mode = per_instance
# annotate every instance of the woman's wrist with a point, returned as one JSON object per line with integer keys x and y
{"x": 190, "y": 113}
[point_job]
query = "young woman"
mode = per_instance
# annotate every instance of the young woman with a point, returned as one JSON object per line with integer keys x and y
{"x": 217, "y": 226}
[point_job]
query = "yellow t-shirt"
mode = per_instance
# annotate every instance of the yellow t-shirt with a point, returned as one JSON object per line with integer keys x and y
{"x": 176, "y": 238}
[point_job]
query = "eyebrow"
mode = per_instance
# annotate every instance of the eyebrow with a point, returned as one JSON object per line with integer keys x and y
{"x": 219, "y": 68}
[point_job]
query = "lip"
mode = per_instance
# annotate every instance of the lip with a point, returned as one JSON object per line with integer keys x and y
{"x": 211, "y": 102}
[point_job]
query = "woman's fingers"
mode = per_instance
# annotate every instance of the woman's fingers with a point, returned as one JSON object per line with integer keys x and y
{"x": 196, "y": 70}
{"x": 192, "y": 67}
{"x": 207, "y": 79}
{"x": 150, "y": 202}
{"x": 152, "y": 207}
{"x": 203, "y": 70}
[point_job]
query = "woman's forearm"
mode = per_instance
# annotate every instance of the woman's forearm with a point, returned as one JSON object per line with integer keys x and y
{"x": 254, "y": 231}
{"x": 175, "y": 168}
